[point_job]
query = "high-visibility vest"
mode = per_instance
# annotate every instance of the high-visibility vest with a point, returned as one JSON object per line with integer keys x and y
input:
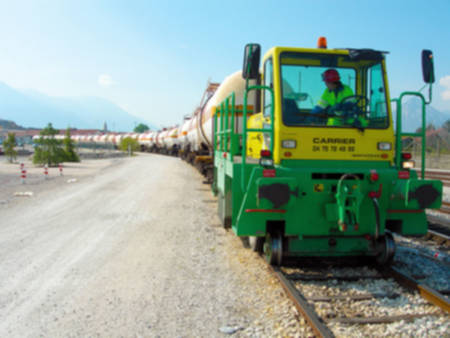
{"x": 329, "y": 97}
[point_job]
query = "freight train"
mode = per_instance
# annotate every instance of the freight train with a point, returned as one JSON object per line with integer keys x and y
{"x": 300, "y": 178}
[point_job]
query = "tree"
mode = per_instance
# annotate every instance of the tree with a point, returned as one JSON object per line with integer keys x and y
{"x": 141, "y": 128}
{"x": 129, "y": 143}
{"x": 69, "y": 148}
{"x": 9, "y": 145}
{"x": 49, "y": 149}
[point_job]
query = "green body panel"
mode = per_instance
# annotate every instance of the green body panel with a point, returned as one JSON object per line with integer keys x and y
{"x": 408, "y": 224}
{"x": 317, "y": 205}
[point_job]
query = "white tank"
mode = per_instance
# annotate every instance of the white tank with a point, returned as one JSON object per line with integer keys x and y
{"x": 141, "y": 139}
{"x": 97, "y": 139}
{"x": 151, "y": 138}
{"x": 111, "y": 139}
{"x": 182, "y": 133}
{"x": 204, "y": 119}
{"x": 159, "y": 139}
{"x": 171, "y": 138}
{"x": 104, "y": 139}
{"x": 118, "y": 139}
{"x": 192, "y": 133}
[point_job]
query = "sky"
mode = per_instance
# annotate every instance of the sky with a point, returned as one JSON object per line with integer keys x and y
{"x": 155, "y": 58}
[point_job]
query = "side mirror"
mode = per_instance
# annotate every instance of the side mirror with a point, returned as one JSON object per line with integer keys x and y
{"x": 252, "y": 55}
{"x": 427, "y": 66}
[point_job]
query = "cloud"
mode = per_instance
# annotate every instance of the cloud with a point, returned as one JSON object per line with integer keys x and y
{"x": 445, "y": 82}
{"x": 106, "y": 80}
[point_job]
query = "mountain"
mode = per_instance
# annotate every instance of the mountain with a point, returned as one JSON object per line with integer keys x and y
{"x": 33, "y": 109}
{"x": 4, "y": 124}
{"x": 412, "y": 115}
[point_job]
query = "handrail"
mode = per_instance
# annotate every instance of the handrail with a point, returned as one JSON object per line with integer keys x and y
{"x": 223, "y": 134}
{"x": 263, "y": 130}
{"x": 399, "y": 134}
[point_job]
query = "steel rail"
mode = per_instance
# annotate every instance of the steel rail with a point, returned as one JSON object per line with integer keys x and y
{"x": 443, "y": 176}
{"x": 319, "y": 325}
{"x": 438, "y": 229}
{"x": 438, "y": 235}
{"x": 431, "y": 295}
{"x": 302, "y": 305}
{"x": 438, "y": 221}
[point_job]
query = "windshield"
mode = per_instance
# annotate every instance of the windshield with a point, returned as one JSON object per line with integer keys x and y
{"x": 309, "y": 100}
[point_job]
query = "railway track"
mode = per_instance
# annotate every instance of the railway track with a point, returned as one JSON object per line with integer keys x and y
{"x": 445, "y": 209}
{"x": 434, "y": 174}
{"x": 439, "y": 230}
{"x": 346, "y": 300}
{"x": 439, "y": 237}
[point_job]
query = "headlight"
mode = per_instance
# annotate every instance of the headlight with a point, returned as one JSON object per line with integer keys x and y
{"x": 289, "y": 144}
{"x": 266, "y": 162}
{"x": 384, "y": 146}
{"x": 408, "y": 164}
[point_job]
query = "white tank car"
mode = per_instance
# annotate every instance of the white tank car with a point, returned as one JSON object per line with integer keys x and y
{"x": 204, "y": 122}
{"x": 90, "y": 139}
{"x": 141, "y": 140}
{"x": 171, "y": 139}
{"x": 159, "y": 139}
{"x": 111, "y": 139}
{"x": 118, "y": 139}
{"x": 164, "y": 136}
{"x": 192, "y": 133}
{"x": 104, "y": 139}
{"x": 151, "y": 139}
{"x": 182, "y": 133}
{"x": 167, "y": 139}
{"x": 97, "y": 139}
{"x": 144, "y": 140}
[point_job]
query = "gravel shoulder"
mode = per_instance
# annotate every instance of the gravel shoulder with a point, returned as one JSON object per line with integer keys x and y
{"x": 132, "y": 248}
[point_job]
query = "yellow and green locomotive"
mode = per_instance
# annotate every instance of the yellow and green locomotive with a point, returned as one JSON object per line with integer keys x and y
{"x": 316, "y": 169}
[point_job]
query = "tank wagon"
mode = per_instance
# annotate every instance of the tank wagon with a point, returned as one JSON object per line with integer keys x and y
{"x": 170, "y": 142}
{"x": 198, "y": 148}
{"x": 299, "y": 186}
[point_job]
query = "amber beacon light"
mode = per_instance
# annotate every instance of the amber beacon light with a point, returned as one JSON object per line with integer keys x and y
{"x": 322, "y": 42}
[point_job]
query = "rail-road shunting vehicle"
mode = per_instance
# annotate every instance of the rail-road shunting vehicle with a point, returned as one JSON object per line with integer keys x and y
{"x": 334, "y": 183}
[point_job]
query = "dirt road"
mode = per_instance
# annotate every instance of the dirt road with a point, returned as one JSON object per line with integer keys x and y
{"x": 134, "y": 249}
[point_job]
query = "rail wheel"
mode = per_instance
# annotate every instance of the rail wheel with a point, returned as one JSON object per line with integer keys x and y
{"x": 387, "y": 249}
{"x": 256, "y": 243}
{"x": 273, "y": 249}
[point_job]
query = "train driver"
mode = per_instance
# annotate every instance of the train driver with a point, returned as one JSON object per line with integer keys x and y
{"x": 333, "y": 95}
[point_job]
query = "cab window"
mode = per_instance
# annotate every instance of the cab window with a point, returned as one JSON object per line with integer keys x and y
{"x": 268, "y": 81}
{"x": 377, "y": 114}
{"x": 306, "y": 100}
